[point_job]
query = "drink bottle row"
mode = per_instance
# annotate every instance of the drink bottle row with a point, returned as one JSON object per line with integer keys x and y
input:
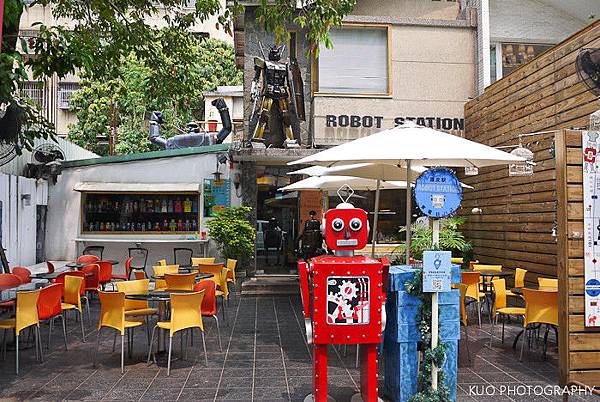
{"x": 159, "y": 204}
{"x": 165, "y": 225}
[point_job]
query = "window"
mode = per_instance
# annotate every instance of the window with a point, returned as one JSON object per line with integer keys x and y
{"x": 65, "y": 90}
{"x": 517, "y": 54}
{"x": 358, "y": 63}
{"x": 493, "y": 70}
{"x": 34, "y": 90}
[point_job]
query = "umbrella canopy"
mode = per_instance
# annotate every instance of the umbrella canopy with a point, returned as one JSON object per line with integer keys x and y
{"x": 376, "y": 171}
{"x": 421, "y": 145}
{"x": 332, "y": 183}
{"x": 310, "y": 171}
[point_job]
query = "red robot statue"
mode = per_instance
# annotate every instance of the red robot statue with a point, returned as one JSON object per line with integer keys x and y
{"x": 343, "y": 297}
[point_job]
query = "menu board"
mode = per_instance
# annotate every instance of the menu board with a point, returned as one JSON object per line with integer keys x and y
{"x": 591, "y": 221}
{"x": 217, "y": 196}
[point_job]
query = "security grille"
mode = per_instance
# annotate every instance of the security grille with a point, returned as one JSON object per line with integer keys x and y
{"x": 65, "y": 90}
{"x": 34, "y": 90}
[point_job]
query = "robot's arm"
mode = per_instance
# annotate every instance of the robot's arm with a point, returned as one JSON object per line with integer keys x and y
{"x": 303, "y": 270}
{"x": 259, "y": 65}
{"x": 155, "y": 120}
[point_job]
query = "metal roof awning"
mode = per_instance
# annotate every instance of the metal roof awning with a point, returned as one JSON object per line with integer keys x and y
{"x": 106, "y": 187}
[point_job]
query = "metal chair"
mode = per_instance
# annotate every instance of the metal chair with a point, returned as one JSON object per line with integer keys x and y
{"x": 139, "y": 259}
{"x": 94, "y": 250}
{"x": 183, "y": 257}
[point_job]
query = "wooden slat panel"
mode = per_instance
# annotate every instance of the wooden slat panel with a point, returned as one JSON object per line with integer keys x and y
{"x": 584, "y": 360}
{"x": 579, "y": 342}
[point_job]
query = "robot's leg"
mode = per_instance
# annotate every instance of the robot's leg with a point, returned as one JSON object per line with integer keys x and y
{"x": 263, "y": 118}
{"x": 285, "y": 117}
{"x": 368, "y": 372}
{"x": 320, "y": 373}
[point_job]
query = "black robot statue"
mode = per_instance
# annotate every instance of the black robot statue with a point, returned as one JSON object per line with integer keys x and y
{"x": 194, "y": 137}
{"x": 280, "y": 82}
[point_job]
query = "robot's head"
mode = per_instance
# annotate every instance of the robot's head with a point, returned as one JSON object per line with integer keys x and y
{"x": 275, "y": 52}
{"x": 346, "y": 228}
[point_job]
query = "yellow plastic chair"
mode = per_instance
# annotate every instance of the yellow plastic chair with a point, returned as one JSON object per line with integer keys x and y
{"x": 457, "y": 260}
{"x": 26, "y": 315}
{"x": 519, "y": 281}
{"x": 500, "y": 307}
{"x": 161, "y": 270}
{"x": 197, "y": 261}
{"x": 72, "y": 298}
{"x": 137, "y": 308}
{"x": 541, "y": 307}
{"x": 112, "y": 315}
{"x": 231, "y": 265}
{"x": 472, "y": 280}
{"x": 180, "y": 281}
{"x": 162, "y": 262}
{"x": 185, "y": 314}
{"x": 462, "y": 288}
{"x": 548, "y": 282}
{"x": 486, "y": 283}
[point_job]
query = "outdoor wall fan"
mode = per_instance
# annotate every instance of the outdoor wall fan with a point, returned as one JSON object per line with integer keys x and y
{"x": 10, "y": 126}
{"x": 588, "y": 69}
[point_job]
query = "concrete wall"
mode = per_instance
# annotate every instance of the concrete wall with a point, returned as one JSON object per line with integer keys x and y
{"x": 64, "y": 204}
{"x": 422, "y": 9}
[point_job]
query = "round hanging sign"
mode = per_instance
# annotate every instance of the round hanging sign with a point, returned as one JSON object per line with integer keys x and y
{"x": 438, "y": 192}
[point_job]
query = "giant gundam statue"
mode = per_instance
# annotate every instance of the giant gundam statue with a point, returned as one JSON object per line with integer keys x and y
{"x": 281, "y": 83}
{"x": 343, "y": 299}
{"x": 194, "y": 136}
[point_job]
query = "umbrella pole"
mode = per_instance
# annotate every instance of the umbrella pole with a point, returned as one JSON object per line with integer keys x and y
{"x": 408, "y": 211}
{"x": 375, "y": 219}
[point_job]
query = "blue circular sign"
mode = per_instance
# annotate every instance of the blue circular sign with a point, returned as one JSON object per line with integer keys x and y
{"x": 592, "y": 287}
{"x": 438, "y": 192}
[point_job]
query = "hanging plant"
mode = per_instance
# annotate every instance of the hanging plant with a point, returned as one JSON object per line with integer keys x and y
{"x": 432, "y": 356}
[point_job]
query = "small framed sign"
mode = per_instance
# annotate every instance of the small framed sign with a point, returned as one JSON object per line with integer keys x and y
{"x": 437, "y": 271}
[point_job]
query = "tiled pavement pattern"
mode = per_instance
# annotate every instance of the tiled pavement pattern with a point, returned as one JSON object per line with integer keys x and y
{"x": 264, "y": 358}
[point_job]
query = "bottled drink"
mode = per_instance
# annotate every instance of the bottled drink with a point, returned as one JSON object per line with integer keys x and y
{"x": 177, "y": 207}
{"x": 180, "y": 226}
{"x": 187, "y": 226}
{"x": 157, "y": 205}
{"x": 194, "y": 205}
{"x": 163, "y": 206}
{"x": 170, "y": 207}
{"x": 172, "y": 225}
{"x": 187, "y": 205}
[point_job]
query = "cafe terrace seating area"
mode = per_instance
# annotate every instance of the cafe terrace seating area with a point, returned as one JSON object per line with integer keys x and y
{"x": 186, "y": 333}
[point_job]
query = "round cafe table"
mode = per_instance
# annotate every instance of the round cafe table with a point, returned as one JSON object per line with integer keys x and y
{"x": 487, "y": 275}
{"x": 75, "y": 264}
{"x": 199, "y": 277}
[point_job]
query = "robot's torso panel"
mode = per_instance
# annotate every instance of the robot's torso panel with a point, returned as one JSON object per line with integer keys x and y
{"x": 275, "y": 78}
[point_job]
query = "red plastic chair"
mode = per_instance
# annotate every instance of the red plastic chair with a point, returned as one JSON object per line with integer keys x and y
{"x": 23, "y": 273}
{"x": 87, "y": 259}
{"x": 50, "y": 267}
{"x": 8, "y": 281}
{"x": 105, "y": 272}
{"x": 49, "y": 308}
{"x": 125, "y": 276}
{"x": 92, "y": 282}
{"x": 209, "y": 303}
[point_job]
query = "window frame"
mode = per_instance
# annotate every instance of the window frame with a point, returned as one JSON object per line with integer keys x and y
{"x": 315, "y": 66}
{"x": 66, "y": 87}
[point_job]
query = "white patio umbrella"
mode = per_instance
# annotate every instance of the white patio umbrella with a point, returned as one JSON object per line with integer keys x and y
{"x": 330, "y": 183}
{"x": 411, "y": 145}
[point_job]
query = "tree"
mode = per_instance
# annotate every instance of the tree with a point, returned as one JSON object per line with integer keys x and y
{"x": 101, "y": 34}
{"x": 234, "y": 233}
{"x": 126, "y": 99}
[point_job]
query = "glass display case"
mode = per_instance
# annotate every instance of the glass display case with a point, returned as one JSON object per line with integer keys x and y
{"x": 152, "y": 213}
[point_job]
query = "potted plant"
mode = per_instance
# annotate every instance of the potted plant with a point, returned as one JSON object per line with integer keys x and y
{"x": 234, "y": 234}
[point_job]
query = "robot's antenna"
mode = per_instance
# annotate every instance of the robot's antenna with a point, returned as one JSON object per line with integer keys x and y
{"x": 349, "y": 193}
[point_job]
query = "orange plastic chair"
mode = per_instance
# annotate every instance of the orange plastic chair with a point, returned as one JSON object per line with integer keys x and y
{"x": 548, "y": 283}
{"x": 500, "y": 307}
{"x": 92, "y": 282}
{"x": 72, "y": 297}
{"x": 209, "y": 303}
{"x": 87, "y": 259}
{"x": 49, "y": 308}
{"x": 139, "y": 275}
{"x": 197, "y": 261}
{"x": 161, "y": 270}
{"x": 472, "y": 280}
{"x": 472, "y": 263}
{"x": 220, "y": 279}
{"x": 112, "y": 315}
{"x": 519, "y": 281}
{"x": 105, "y": 274}
{"x": 180, "y": 281}
{"x": 125, "y": 276}
{"x": 462, "y": 288}
{"x": 50, "y": 267}
{"x": 8, "y": 281}
{"x": 541, "y": 307}
{"x": 185, "y": 314}
{"x": 25, "y": 317}
{"x": 23, "y": 273}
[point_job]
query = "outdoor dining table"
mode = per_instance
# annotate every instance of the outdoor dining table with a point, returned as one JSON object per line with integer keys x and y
{"x": 487, "y": 275}
{"x": 199, "y": 276}
{"x": 75, "y": 264}
{"x": 10, "y": 293}
{"x": 55, "y": 274}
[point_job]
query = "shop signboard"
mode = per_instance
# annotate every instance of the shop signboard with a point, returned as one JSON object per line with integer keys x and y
{"x": 438, "y": 192}
{"x": 591, "y": 221}
{"x": 217, "y": 196}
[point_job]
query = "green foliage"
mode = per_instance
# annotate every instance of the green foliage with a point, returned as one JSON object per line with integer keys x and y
{"x": 451, "y": 239}
{"x": 127, "y": 97}
{"x": 99, "y": 36}
{"x": 432, "y": 356}
{"x": 234, "y": 234}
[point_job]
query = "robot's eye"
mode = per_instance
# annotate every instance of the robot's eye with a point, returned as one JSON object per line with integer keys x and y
{"x": 337, "y": 224}
{"x": 355, "y": 224}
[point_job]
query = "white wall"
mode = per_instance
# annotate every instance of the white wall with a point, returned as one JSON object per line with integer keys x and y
{"x": 18, "y": 225}
{"x": 64, "y": 203}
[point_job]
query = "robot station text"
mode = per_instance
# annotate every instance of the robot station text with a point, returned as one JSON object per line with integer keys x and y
{"x": 354, "y": 121}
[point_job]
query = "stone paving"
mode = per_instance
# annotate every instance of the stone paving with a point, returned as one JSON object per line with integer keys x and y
{"x": 264, "y": 358}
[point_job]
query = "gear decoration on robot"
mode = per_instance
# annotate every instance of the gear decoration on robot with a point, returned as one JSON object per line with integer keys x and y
{"x": 281, "y": 83}
{"x": 343, "y": 297}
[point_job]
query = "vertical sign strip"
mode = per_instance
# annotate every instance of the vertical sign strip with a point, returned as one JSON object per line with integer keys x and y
{"x": 591, "y": 223}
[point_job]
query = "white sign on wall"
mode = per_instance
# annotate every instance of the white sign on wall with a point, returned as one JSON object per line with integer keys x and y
{"x": 591, "y": 221}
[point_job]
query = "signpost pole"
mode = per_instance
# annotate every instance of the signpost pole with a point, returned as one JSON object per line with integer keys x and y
{"x": 434, "y": 309}
{"x": 408, "y": 212}
{"x": 375, "y": 219}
